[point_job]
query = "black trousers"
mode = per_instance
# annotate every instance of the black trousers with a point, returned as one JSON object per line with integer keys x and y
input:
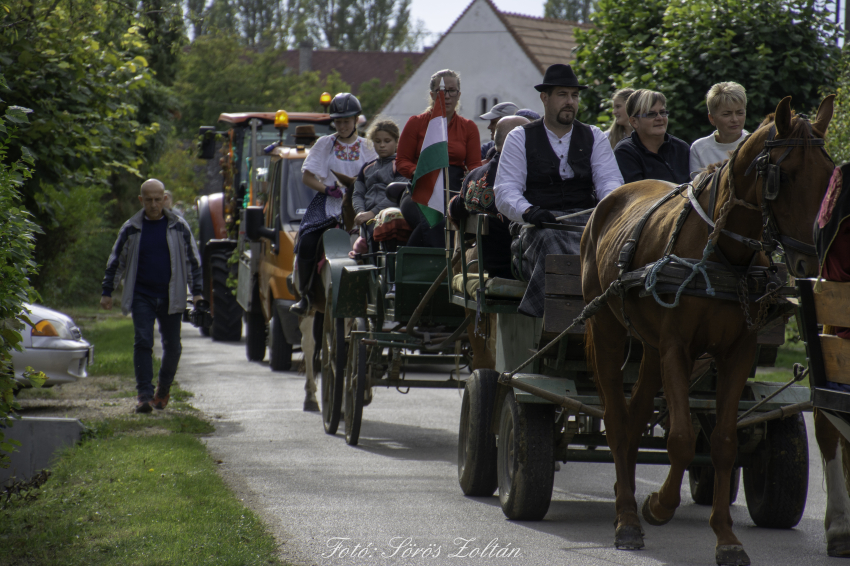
{"x": 422, "y": 234}
{"x": 309, "y": 249}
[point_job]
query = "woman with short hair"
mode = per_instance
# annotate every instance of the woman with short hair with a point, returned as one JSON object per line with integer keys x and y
{"x": 464, "y": 154}
{"x": 650, "y": 152}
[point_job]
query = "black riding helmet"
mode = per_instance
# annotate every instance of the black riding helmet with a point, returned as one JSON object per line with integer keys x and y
{"x": 345, "y": 105}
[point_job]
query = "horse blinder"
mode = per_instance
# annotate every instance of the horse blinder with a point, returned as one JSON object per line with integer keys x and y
{"x": 771, "y": 182}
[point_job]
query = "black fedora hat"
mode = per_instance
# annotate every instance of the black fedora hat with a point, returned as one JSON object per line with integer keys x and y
{"x": 559, "y": 75}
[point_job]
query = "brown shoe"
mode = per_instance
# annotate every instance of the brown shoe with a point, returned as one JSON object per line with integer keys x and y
{"x": 160, "y": 400}
{"x": 143, "y": 406}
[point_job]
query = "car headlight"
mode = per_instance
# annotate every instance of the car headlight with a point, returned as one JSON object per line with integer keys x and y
{"x": 52, "y": 328}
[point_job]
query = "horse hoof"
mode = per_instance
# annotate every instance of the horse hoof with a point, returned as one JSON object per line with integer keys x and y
{"x": 628, "y": 537}
{"x": 731, "y": 555}
{"x": 839, "y": 547}
{"x": 649, "y": 517}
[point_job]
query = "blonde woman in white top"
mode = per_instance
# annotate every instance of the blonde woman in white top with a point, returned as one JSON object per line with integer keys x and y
{"x": 727, "y": 111}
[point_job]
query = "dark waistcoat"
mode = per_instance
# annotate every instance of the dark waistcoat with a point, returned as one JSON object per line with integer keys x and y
{"x": 544, "y": 186}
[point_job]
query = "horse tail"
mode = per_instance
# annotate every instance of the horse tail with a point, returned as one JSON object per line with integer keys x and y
{"x": 845, "y": 459}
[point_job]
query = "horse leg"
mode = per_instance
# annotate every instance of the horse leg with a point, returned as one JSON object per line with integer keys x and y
{"x": 642, "y": 404}
{"x": 606, "y": 339}
{"x": 676, "y": 364}
{"x": 837, "y": 518}
{"x": 308, "y": 348}
{"x": 732, "y": 370}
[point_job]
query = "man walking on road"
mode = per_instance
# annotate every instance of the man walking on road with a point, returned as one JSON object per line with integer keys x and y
{"x": 156, "y": 255}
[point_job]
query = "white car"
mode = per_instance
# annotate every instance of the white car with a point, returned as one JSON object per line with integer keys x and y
{"x": 53, "y": 345}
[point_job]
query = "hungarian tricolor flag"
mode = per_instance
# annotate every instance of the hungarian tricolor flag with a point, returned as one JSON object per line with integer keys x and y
{"x": 429, "y": 177}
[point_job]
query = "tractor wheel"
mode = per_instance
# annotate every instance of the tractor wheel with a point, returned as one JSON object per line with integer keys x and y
{"x": 227, "y": 314}
{"x": 255, "y": 331}
{"x": 280, "y": 351}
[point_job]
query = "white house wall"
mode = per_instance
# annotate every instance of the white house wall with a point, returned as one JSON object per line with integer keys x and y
{"x": 489, "y": 61}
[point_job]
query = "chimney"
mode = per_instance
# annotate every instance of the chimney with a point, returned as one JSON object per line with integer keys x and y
{"x": 305, "y": 56}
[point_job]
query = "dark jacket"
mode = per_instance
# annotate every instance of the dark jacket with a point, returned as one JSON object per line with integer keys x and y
{"x": 671, "y": 163}
{"x": 370, "y": 188}
{"x": 185, "y": 262}
{"x": 496, "y": 246}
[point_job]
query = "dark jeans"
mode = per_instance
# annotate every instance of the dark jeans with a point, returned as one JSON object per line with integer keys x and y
{"x": 310, "y": 249}
{"x": 147, "y": 310}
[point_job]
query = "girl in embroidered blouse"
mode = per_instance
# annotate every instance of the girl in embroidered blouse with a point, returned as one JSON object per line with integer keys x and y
{"x": 344, "y": 152}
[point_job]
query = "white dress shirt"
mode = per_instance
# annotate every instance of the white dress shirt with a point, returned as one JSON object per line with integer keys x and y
{"x": 511, "y": 175}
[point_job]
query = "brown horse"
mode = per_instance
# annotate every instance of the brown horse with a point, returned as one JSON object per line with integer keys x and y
{"x": 674, "y": 337}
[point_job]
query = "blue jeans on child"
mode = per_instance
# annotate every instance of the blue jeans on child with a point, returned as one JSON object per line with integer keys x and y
{"x": 147, "y": 310}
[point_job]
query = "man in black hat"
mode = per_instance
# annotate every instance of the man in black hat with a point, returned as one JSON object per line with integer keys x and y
{"x": 549, "y": 168}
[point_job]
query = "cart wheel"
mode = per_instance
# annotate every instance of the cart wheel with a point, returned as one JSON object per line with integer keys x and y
{"x": 333, "y": 369}
{"x": 476, "y": 447}
{"x": 701, "y": 479}
{"x": 777, "y": 481}
{"x": 355, "y": 387}
{"x": 525, "y": 461}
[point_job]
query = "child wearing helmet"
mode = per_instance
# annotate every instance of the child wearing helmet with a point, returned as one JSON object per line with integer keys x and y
{"x": 344, "y": 152}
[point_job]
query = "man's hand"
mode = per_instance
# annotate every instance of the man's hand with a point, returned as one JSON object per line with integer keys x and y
{"x": 106, "y": 303}
{"x": 197, "y": 298}
{"x": 363, "y": 217}
{"x": 537, "y": 216}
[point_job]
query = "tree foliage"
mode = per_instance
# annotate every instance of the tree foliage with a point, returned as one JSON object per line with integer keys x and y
{"x": 774, "y": 48}
{"x": 356, "y": 25}
{"x": 572, "y": 10}
{"x": 220, "y": 75}
{"x": 17, "y": 242}
{"x": 838, "y": 134}
{"x": 99, "y": 113}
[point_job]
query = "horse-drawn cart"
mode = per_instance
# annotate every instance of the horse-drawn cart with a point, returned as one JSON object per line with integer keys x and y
{"x": 381, "y": 317}
{"x": 515, "y": 427}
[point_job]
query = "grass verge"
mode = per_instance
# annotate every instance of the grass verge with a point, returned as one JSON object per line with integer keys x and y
{"x": 138, "y": 490}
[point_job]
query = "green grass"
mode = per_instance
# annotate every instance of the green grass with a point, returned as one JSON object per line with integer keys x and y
{"x": 139, "y": 489}
{"x": 127, "y": 498}
{"x": 789, "y": 354}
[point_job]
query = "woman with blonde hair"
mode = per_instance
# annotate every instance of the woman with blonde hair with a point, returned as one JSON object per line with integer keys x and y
{"x": 650, "y": 152}
{"x": 621, "y": 126}
{"x": 464, "y": 154}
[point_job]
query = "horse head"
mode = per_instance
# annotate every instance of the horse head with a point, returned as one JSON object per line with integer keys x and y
{"x": 788, "y": 170}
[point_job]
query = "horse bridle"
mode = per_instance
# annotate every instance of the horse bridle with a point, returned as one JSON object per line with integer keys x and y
{"x": 771, "y": 181}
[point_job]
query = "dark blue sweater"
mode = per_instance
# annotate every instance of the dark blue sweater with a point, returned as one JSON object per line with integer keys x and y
{"x": 154, "y": 270}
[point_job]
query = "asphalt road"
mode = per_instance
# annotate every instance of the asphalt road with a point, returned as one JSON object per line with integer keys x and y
{"x": 397, "y": 492}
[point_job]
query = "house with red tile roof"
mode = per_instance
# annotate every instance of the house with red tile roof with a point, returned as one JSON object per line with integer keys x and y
{"x": 354, "y": 67}
{"x": 500, "y": 57}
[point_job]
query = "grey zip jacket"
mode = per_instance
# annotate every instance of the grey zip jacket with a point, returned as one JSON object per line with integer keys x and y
{"x": 185, "y": 262}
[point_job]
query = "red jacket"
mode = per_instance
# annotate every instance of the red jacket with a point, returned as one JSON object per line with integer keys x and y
{"x": 464, "y": 143}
